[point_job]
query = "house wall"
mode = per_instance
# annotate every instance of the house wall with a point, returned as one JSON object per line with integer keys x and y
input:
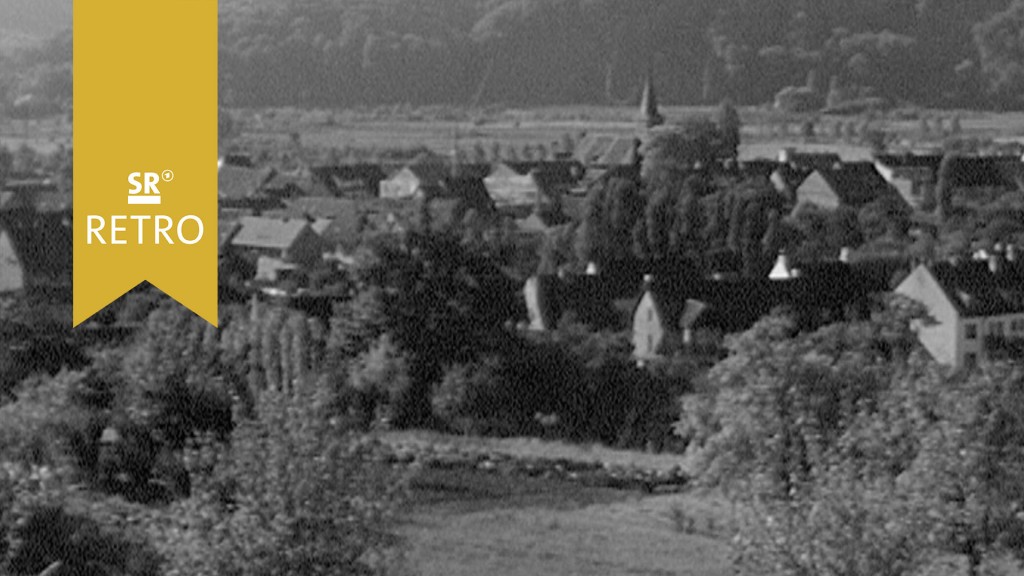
{"x": 815, "y": 190}
{"x": 944, "y": 339}
{"x": 12, "y": 275}
{"x": 648, "y": 331}
{"x": 512, "y": 190}
{"x": 404, "y": 184}
{"x": 534, "y": 306}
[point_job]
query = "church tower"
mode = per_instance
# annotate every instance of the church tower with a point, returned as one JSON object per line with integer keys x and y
{"x": 649, "y": 103}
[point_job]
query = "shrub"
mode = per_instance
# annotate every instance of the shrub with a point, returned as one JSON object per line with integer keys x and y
{"x": 291, "y": 494}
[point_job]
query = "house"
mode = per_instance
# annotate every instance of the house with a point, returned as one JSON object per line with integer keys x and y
{"x": 357, "y": 180}
{"x": 670, "y": 311}
{"x": 851, "y": 184}
{"x": 549, "y": 298}
{"x": 12, "y": 272}
{"x": 421, "y": 180}
{"x": 605, "y": 152}
{"x": 289, "y": 239}
{"x": 663, "y": 321}
{"x": 522, "y": 186}
{"x": 967, "y": 302}
{"x": 912, "y": 175}
{"x": 37, "y": 225}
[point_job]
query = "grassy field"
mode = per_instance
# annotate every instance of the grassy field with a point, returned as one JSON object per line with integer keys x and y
{"x": 471, "y": 522}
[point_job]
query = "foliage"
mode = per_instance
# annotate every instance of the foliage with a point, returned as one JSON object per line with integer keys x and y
{"x": 441, "y": 303}
{"x": 291, "y": 494}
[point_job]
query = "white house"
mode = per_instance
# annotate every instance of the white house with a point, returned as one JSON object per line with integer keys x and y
{"x": 968, "y": 303}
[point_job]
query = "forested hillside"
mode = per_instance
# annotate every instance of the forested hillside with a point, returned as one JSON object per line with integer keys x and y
{"x": 538, "y": 52}
{"x": 934, "y": 52}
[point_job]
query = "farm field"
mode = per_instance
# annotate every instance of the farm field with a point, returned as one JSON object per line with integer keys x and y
{"x": 441, "y": 130}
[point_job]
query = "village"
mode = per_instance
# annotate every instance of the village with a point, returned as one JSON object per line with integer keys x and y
{"x": 604, "y": 288}
{"x": 291, "y": 236}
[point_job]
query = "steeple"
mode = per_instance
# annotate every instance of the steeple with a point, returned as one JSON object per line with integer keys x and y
{"x": 649, "y": 103}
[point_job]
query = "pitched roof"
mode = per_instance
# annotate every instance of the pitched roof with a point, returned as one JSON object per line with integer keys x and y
{"x": 811, "y": 160}
{"x": 430, "y": 173}
{"x": 274, "y": 233}
{"x": 321, "y": 206}
{"x": 564, "y": 170}
{"x": 855, "y": 183}
{"x": 607, "y": 151}
{"x": 908, "y": 160}
{"x": 977, "y": 291}
{"x": 340, "y": 179}
{"x": 983, "y": 172}
{"x": 239, "y": 182}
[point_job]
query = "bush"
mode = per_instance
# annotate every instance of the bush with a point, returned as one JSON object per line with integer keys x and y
{"x": 43, "y": 521}
{"x": 291, "y": 494}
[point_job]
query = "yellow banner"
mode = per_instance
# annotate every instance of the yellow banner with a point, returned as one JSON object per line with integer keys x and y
{"x": 145, "y": 145}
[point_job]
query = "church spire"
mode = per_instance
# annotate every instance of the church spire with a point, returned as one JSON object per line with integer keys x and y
{"x": 649, "y": 103}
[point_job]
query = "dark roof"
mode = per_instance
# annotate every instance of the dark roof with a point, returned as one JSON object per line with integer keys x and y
{"x": 588, "y": 298}
{"x": 856, "y": 183}
{"x": 342, "y": 179}
{"x": 470, "y": 190}
{"x": 976, "y": 291}
{"x": 813, "y": 160}
{"x": 562, "y": 171}
{"x": 321, "y": 206}
{"x": 758, "y": 167}
{"x": 909, "y": 160}
{"x": 736, "y": 303}
{"x": 984, "y": 172}
{"x": 430, "y": 173}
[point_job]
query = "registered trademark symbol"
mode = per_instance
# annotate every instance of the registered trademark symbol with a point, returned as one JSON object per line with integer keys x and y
{"x": 167, "y": 175}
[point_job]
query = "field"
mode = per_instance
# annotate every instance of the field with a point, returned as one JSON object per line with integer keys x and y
{"x": 471, "y": 522}
{"x": 441, "y": 129}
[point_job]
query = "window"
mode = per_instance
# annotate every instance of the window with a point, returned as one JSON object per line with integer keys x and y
{"x": 970, "y": 360}
{"x": 997, "y": 329}
{"x": 971, "y": 331}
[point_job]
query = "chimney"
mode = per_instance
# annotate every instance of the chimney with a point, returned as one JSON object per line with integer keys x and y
{"x": 592, "y": 268}
{"x": 781, "y": 270}
{"x": 844, "y": 254}
{"x": 785, "y": 155}
{"x": 995, "y": 262}
{"x": 648, "y": 281}
{"x": 687, "y": 336}
{"x": 1011, "y": 253}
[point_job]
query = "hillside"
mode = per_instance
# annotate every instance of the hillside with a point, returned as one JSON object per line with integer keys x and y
{"x": 346, "y": 53}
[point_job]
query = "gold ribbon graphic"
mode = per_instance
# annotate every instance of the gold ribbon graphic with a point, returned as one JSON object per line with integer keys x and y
{"x": 145, "y": 145}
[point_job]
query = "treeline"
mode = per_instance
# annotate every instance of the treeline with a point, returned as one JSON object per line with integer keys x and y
{"x": 530, "y": 52}
{"x": 538, "y": 52}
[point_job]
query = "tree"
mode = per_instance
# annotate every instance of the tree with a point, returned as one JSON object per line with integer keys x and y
{"x": 944, "y": 186}
{"x": 728, "y": 122}
{"x": 671, "y": 155}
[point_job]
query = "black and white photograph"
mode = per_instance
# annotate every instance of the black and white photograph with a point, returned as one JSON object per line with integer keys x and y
{"x": 540, "y": 287}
